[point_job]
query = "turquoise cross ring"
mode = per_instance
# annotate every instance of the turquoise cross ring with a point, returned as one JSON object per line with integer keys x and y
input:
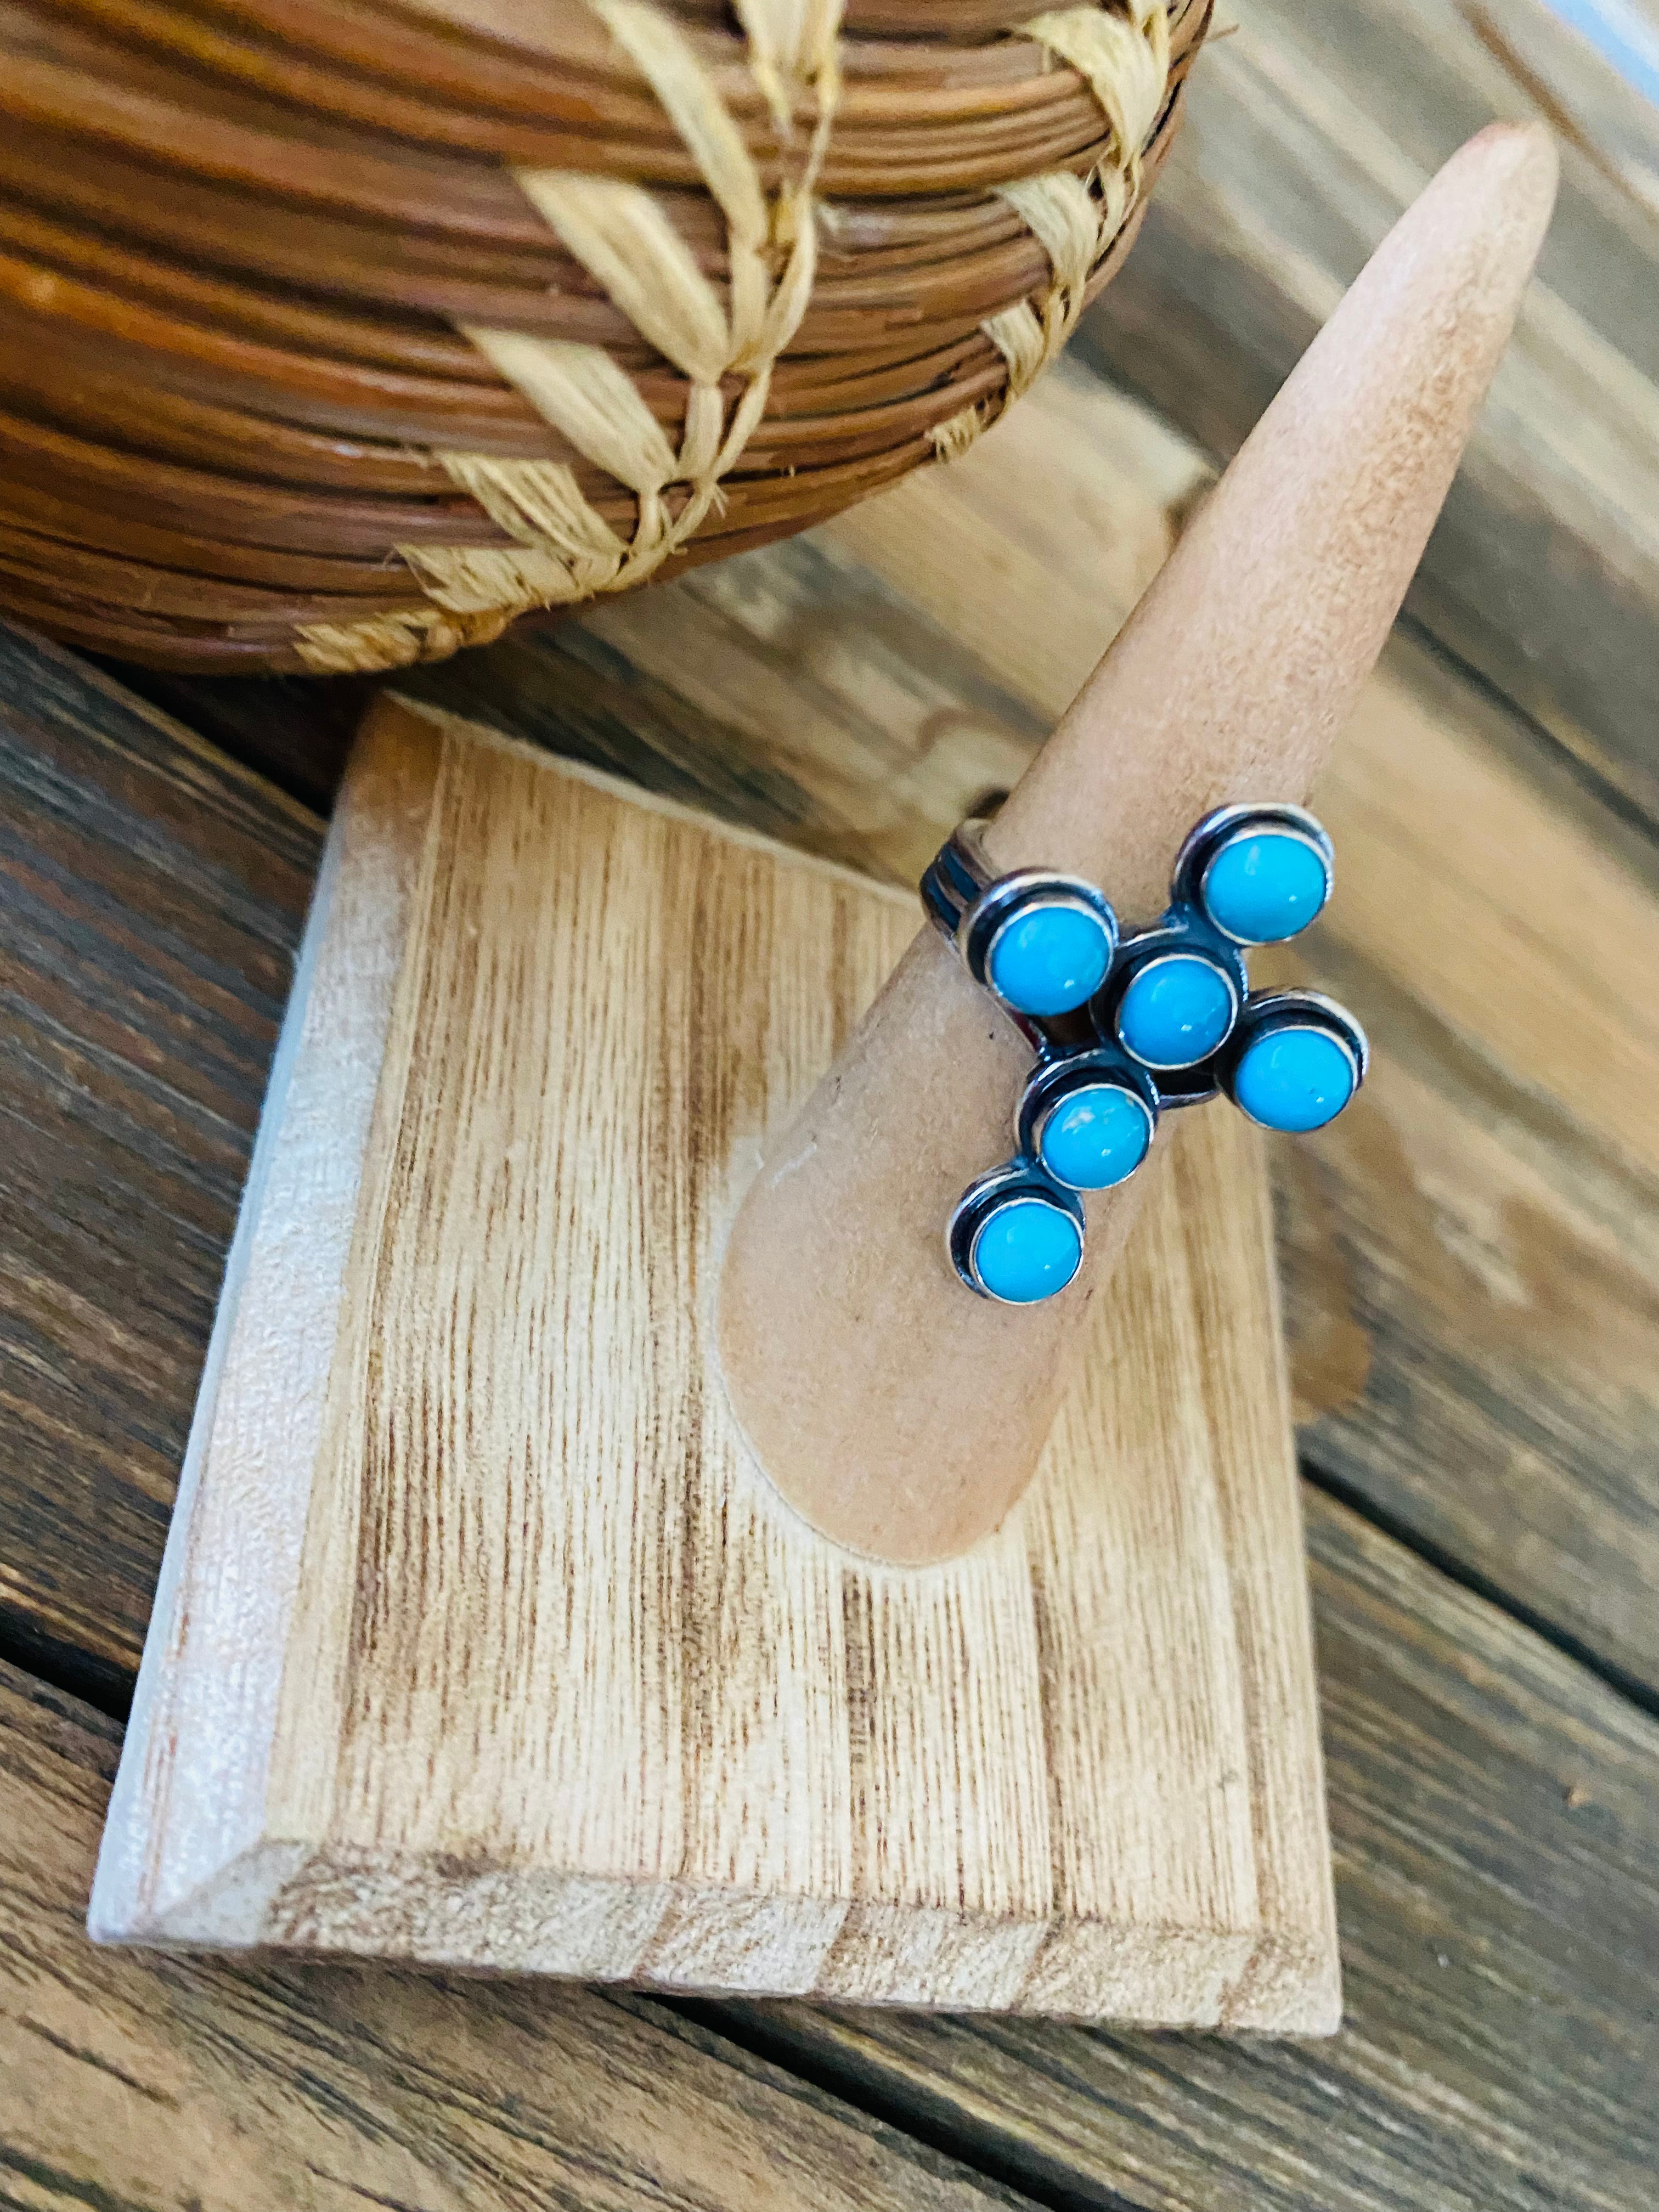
{"x": 1125, "y": 1026}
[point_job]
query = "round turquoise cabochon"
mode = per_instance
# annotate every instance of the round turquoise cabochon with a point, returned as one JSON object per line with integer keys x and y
{"x": 1096, "y": 1136}
{"x": 1047, "y": 959}
{"x": 1294, "y": 1079}
{"x": 1265, "y": 886}
{"x": 1176, "y": 1011}
{"x": 1027, "y": 1250}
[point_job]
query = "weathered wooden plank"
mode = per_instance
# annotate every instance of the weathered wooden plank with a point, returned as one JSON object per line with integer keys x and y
{"x": 1306, "y": 134}
{"x": 134, "y": 2083}
{"x": 1472, "y": 1261}
{"x": 296, "y": 730}
{"x": 1498, "y": 1890}
{"x": 150, "y": 895}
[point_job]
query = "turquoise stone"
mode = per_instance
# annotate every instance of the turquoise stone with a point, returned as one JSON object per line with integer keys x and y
{"x": 1265, "y": 886}
{"x": 1027, "y": 1250}
{"x": 1047, "y": 959}
{"x": 1096, "y": 1136}
{"x": 1294, "y": 1079}
{"x": 1176, "y": 1011}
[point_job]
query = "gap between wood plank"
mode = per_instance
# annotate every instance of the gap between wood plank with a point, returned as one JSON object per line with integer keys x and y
{"x": 1443, "y": 1562}
{"x": 1622, "y": 805}
{"x": 62, "y": 1666}
{"x": 929, "y": 2121}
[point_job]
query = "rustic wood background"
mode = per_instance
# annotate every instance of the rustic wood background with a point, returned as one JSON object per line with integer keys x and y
{"x": 1470, "y": 1260}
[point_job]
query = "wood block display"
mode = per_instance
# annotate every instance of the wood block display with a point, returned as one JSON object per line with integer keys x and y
{"x": 480, "y": 1640}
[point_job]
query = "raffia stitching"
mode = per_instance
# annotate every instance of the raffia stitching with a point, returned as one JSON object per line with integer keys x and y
{"x": 1125, "y": 59}
{"x": 564, "y": 550}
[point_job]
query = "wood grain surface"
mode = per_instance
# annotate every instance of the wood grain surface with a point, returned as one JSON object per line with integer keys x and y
{"x": 135, "y": 2084}
{"x": 1593, "y": 71}
{"x": 1498, "y": 1891}
{"x": 152, "y": 896}
{"x": 1307, "y": 132}
{"x": 540, "y": 1032}
{"x": 1469, "y": 1275}
{"x": 1470, "y": 1293}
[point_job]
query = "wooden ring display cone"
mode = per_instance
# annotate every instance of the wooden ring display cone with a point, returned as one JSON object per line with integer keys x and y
{"x": 901, "y": 1415}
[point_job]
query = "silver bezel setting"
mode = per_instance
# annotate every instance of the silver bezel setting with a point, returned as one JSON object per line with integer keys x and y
{"x": 1053, "y": 1081}
{"x": 1009, "y": 899}
{"x": 1205, "y": 842}
{"x": 984, "y": 1196}
{"x": 1167, "y": 947}
{"x": 1278, "y": 1011}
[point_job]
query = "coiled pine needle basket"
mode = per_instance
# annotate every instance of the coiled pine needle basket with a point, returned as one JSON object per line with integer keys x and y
{"x": 338, "y": 334}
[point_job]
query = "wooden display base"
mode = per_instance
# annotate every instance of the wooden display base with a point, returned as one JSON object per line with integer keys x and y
{"x": 481, "y": 1641}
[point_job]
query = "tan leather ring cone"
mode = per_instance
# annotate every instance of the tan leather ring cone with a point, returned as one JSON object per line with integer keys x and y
{"x": 899, "y": 1413}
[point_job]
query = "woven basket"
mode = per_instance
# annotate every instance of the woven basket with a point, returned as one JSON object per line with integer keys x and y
{"x": 336, "y": 334}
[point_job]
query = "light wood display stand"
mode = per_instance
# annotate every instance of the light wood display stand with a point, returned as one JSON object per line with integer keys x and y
{"x": 482, "y": 1641}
